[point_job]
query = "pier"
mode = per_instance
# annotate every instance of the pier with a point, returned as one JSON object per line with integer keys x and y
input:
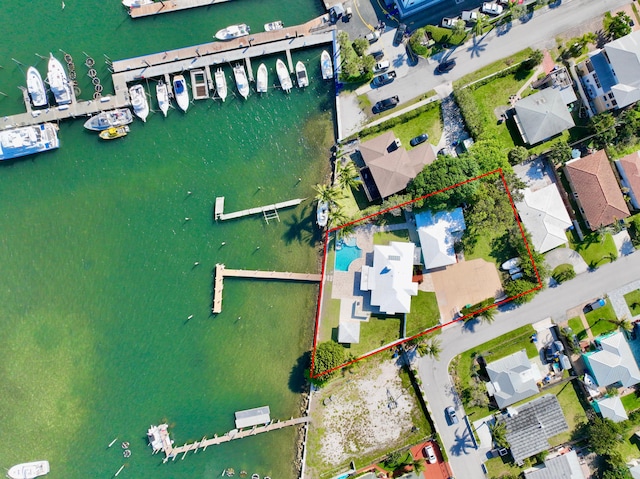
{"x": 270, "y": 212}
{"x": 167, "y": 6}
{"x": 221, "y": 271}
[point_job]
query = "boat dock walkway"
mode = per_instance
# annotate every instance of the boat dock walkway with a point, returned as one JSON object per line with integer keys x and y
{"x": 172, "y": 453}
{"x": 167, "y": 6}
{"x": 270, "y": 212}
{"x": 222, "y": 271}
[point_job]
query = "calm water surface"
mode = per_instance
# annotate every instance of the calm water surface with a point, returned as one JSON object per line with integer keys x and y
{"x": 98, "y": 260}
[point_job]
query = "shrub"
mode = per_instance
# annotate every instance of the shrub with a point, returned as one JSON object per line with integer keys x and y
{"x": 417, "y": 42}
{"x": 518, "y": 155}
{"x": 563, "y": 273}
{"x": 470, "y": 112}
{"x": 445, "y": 35}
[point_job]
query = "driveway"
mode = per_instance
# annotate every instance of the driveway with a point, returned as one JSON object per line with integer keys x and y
{"x": 558, "y": 256}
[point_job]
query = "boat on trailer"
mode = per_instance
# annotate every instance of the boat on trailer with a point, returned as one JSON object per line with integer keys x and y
{"x": 262, "y": 79}
{"x": 301, "y": 75}
{"x": 283, "y": 76}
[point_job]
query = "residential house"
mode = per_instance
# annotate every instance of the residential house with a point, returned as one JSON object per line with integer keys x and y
{"x": 611, "y": 408}
{"x": 438, "y": 233}
{"x": 560, "y": 79}
{"x": 629, "y": 170}
{"x": 596, "y": 190}
{"x": 409, "y": 7}
{"x": 564, "y": 466}
{"x": 389, "y": 167}
{"x": 512, "y": 379}
{"x": 613, "y": 363}
{"x": 530, "y": 426}
{"x": 542, "y": 116}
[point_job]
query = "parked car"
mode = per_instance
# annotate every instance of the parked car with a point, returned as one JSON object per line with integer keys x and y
{"x": 373, "y": 36}
{"x": 492, "y": 8}
{"x": 381, "y": 66}
{"x": 430, "y": 454}
{"x": 384, "y": 79}
{"x": 419, "y": 139}
{"x": 449, "y": 22}
{"x": 469, "y": 16}
{"x": 386, "y": 104}
{"x": 397, "y": 39}
{"x": 446, "y": 66}
{"x": 377, "y": 56}
{"x": 451, "y": 416}
{"x": 595, "y": 305}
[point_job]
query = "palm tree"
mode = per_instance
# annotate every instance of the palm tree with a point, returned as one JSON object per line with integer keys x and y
{"x": 327, "y": 194}
{"x": 459, "y": 27}
{"x": 432, "y": 348}
{"x": 337, "y": 217}
{"x": 418, "y": 466}
{"x": 499, "y": 433}
{"x": 488, "y": 315}
{"x": 481, "y": 22}
{"x": 348, "y": 176}
{"x": 622, "y": 323}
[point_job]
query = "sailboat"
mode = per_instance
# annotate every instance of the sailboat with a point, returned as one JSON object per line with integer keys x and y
{"x": 221, "y": 83}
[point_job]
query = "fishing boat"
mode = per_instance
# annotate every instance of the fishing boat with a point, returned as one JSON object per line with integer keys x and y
{"x": 114, "y": 132}
{"x": 272, "y": 26}
{"x": 301, "y": 75}
{"x": 107, "y": 119}
{"x": 36, "y": 88}
{"x": 27, "y": 140}
{"x": 322, "y": 214}
{"x": 199, "y": 87}
{"x": 262, "y": 79}
{"x": 180, "y": 91}
{"x": 221, "y": 83}
{"x": 283, "y": 76}
{"x": 162, "y": 94}
{"x": 136, "y": 3}
{"x": 326, "y": 66}
{"x": 240, "y": 76}
{"x": 58, "y": 81}
{"x": 233, "y": 31}
{"x": 29, "y": 470}
{"x": 139, "y": 101}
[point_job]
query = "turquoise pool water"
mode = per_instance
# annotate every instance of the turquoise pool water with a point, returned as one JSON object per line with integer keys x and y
{"x": 346, "y": 253}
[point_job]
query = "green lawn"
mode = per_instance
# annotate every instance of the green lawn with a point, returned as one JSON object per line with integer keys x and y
{"x": 578, "y": 328}
{"x": 502, "y": 466}
{"x": 631, "y": 402}
{"x": 633, "y": 301}
{"x": 493, "y": 68}
{"x": 571, "y": 406}
{"x": 424, "y": 313}
{"x": 374, "y": 333}
{"x": 600, "y": 319}
{"x": 384, "y": 237}
{"x": 594, "y": 250}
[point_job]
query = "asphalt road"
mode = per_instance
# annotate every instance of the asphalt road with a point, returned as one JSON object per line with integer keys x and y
{"x": 465, "y": 460}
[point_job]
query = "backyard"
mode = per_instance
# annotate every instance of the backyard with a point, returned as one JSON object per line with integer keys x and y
{"x": 424, "y": 314}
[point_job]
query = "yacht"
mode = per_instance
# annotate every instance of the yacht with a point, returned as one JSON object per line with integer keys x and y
{"x": 27, "y": 140}
{"x": 162, "y": 94}
{"x": 181, "y": 93}
{"x": 272, "y": 26}
{"x": 139, "y": 101}
{"x": 58, "y": 81}
{"x": 326, "y": 65}
{"x": 283, "y": 76}
{"x": 29, "y": 470}
{"x": 221, "y": 83}
{"x": 36, "y": 88}
{"x": 233, "y": 31}
{"x": 107, "y": 119}
{"x": 240, "y": 76}
{"x": 322, "y": 214}
{"x": 136, "y": 3}
{"x": 301, "y": 75}
{"x": 262, "y": 79}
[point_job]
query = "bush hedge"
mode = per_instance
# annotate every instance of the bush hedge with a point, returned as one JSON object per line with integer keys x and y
{"x": 445, "y": 35}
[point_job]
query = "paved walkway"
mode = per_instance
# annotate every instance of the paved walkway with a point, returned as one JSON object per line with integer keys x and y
{"x": 623, "y": 243}
{"x": 618, "y": 302}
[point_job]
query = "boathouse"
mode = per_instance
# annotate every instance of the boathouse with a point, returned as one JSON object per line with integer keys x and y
{"x": 253, "y": 417}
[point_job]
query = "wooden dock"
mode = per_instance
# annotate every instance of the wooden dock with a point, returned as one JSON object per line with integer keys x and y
{"x": 270, "y": 212}
{"x": 221, "y": 271}
{"x": 167, "y": 6}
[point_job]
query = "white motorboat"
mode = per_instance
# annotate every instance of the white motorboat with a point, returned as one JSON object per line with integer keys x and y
{"x": 181, "y": 93}
{"x": 27, "y": 140}
{"x": 326, "y": 65}
{"x": 272, "y": 26}
{"x": 262, "y": 79}
{"x": 108, "y": 119}
{"x": 139, "y": 101}
{"x": 511, "y": 263}
{"x": 58, "y": 81}
{"x": 301, "y": 75}
{"x": 29, "y": 470}
{"x": 136, "y": 3}
{"x": 36, "y": 88}
{"x": 162, "y": 94}
{"x": 283, "y": 76}
{"x": 240, "y": 76}
{"x": 221, "y": 83}
{"x": 233, "y": 31}
{"x": 322, "y": 214}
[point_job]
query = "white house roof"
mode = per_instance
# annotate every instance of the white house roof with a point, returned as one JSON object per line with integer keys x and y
{"x": 349, "y": 332}
{"x": 390, "y": 277}
{"x": 565, "y": 466}
{"x": 543, "y": 213}
{"x": 513, "y": 378}
{"x": 612, "y": 408}
{"x": 614, "y": 362}
{"x": 437, "y": 236}
{"x": 635, "y": 471}
{"x": 624, "y": 57}
{"x": 253, "y": 417}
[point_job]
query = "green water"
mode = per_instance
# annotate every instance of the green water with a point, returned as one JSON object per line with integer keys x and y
{"x": 97, "y": 259}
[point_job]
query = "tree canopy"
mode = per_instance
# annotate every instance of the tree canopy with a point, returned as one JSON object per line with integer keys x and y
{"x": 329, "y": 355}
{"x": 619, "y": 25}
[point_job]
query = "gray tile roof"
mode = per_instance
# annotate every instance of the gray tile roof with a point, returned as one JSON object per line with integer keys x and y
{"x": 542, "y": 115}
{"x": 512, "y": 379}
{"x": 531, "y": 426}
{"x": 566, "y": 466}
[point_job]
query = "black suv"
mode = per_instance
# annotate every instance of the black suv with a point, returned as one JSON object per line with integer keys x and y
{"x": 386, "y": 104}
{"x": 446, "y": 66}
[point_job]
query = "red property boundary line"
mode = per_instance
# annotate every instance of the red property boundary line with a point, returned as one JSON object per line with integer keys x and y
{"x": 427, "y": 331}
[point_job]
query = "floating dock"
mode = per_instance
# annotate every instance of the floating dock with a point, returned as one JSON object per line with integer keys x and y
{"x": 167, "y": 6}
{"x": 199, "y": 87}
{"x": 222, "y": 271}
{"x": 270, "y": 212}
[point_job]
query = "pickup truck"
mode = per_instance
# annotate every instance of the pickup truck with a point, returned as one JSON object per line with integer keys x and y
{"x": 384, "y": 79}
{"x": 386, "y": 104}
{"x": 449, "y": 22}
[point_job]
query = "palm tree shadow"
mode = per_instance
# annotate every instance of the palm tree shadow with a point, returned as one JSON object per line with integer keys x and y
{"x": 301, "y": 228}
{"x": 462, "y": 443}
{"x": 477, "y": 47}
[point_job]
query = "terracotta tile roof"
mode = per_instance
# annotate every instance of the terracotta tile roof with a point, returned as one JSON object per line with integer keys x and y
{"x": 631, "y": 166}
{"x": 593, "y": 180}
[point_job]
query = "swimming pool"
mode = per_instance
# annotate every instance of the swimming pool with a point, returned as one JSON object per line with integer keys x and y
{"x": 346, "y": 253}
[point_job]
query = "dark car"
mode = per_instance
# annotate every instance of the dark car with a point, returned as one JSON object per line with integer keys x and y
{"x": 397, "y": 39}
{"x": 384, "y": 79}
{"x": 446, "y": 66}
{"x": 386, "y": 104}
{"x": 595, "y": 305}
{"x": 451, "y": 416}
{"x": 419, "y": 139}
{"x": 377, "y": 56}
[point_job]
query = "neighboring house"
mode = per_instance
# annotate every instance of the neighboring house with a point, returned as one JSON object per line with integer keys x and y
{"x": 611, "y": 77}
{"x": 512, "y": 379}
{"x": 438, "y": 233}
{"x": 542, "y": 116}
{"x": 390, "y": 166}
{"x": 390, "y": 277}
{"x": 611, "y": 408}
{"x": 530, "y": 426}
{"x": 629, "y": 170}
{"x": 596, "y": 190}
{"x": 613, "y": 363}
{"x": 565, "y": 466}
{"x": 560, "y": 79}
{"x": 635, "y": 471}
{"x": 409, "y": 7}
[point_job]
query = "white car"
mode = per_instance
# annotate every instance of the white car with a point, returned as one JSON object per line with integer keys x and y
{"x": 492, "y": 8}
{"x": 430, "y": 454}
{"x": 381, "y": 66}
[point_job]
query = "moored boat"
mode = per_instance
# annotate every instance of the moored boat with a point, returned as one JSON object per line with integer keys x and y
{"x": 233, "y": 31}
{"x": 27, "y": 140}
{"x": 29, "y": 470}
{"x": 36, "y": 88}
{"x": 106, "y": 119}
{"x": 139, "y": 101}
{"x": 240, "y": 76}
{"x": 283, "y": 76}
{"x": 301, "y": 75}
{"x": 114, "y": 132}
{"x": 221, "y": 83}
{"x": 326, "y": 65}
{"x": 180, "y": 92}
{"x": 262, "y": 79}
{"x": 322, "y": 214}
{"x": 162, "y": 94}
{"x": 58, "y": 81}
{"x": 136, "y": 3}
{"x": 271, "y": 26}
